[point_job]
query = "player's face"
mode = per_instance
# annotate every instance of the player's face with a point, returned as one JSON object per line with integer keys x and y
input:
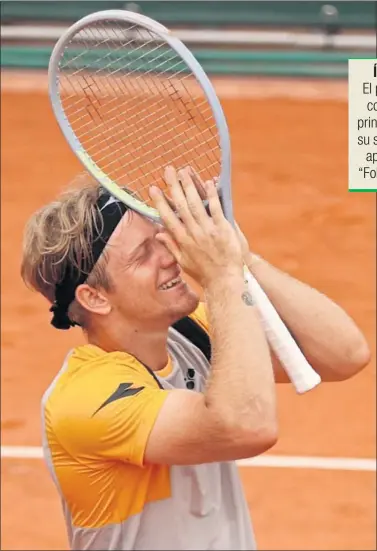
{"x": 147, "y": 283}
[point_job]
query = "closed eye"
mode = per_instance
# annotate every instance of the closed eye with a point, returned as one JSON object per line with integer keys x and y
{"x": 143, "y": 250}
{"x": 144, "y": 254}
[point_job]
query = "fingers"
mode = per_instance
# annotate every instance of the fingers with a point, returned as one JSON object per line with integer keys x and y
{"x": 168, "y": 216}
{"x": 214, "y": 203}
{"x": 199, "y": 184}
{"x": 201, "y": 243}
{"x": 172, "y": 178}
{"x": 192, "y": 195}
{"x": 201, "y": 187}
{"x": 184, "y": 214}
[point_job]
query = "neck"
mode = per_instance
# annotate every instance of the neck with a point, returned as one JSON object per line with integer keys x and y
{"x": 148, "y": 346}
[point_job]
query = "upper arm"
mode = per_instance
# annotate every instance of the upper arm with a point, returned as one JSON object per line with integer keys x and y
{"x": 152, "y": 425}
{"x": 187, "y": 432}
{"x": 327, "y": 375}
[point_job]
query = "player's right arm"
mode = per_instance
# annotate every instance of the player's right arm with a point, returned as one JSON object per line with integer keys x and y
{"x": 236, "y": 415}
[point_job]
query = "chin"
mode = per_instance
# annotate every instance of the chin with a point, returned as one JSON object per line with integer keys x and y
{"x": 186, "y": 305}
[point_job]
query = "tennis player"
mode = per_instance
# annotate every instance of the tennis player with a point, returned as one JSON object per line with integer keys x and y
{"x": 143, "y": 424}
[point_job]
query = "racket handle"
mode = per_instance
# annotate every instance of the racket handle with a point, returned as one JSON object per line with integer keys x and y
{"x": 298, "y": 369}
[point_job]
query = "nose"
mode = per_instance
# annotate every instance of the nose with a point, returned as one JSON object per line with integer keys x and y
{"x": 167, "y": 259}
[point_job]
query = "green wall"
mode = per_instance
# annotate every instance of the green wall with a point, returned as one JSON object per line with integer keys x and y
{"x": 353, "y": 14}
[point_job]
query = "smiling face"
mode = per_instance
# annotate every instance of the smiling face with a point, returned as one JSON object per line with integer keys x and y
{"x": 147, "y": 288}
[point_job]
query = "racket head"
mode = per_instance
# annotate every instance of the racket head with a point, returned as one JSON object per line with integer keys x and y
{"x": 182, "y": 110}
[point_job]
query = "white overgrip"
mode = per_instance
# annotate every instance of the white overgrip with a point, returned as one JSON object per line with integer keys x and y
{"x": 298, "y": 369}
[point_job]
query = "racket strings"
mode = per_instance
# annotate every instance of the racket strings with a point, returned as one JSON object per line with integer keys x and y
{"x": 97, "y": 107}
{"x": 136, "y": 150}
{"x": 135, "y": 107}
{"x": 175, "y": 91}
{"x": 161, "y": 103}
{"x": 110, "y": 145}
{"x": 147, "y": 134}
{"x": 148, "y": 143}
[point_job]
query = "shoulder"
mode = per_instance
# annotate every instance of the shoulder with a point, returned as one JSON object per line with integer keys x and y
{"x": 94, "y": 381}
{"x": 103, "y": 405}
{"x": 88, "y": 368}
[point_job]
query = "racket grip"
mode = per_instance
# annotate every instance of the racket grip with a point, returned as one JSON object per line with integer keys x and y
{"x": 298, "y": 369}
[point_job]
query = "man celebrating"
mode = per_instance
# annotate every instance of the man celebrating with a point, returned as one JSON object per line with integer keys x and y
{"x": 144, "y": 422}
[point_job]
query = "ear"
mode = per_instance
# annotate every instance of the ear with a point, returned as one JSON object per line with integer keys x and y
{"x": 92, "y": 300}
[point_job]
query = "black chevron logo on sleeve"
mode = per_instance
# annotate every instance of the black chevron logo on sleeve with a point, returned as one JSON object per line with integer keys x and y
{"x": 124, "y": 390}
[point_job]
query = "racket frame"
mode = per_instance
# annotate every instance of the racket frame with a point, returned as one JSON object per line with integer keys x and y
{"x": 168, "y": 37}
{"x": 301, "y": 374}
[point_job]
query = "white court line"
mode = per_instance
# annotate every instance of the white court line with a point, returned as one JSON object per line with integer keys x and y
{"x": 274, "y": 461}
{"x": 306, "y": 462}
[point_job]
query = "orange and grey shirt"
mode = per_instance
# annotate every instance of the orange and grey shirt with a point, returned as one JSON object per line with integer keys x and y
{"x": 97, "y": 416}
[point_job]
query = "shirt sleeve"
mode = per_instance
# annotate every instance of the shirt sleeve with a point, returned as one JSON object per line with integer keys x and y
{"x": 112, "y": 420}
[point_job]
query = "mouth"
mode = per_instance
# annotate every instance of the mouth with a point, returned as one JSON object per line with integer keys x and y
{"x": 170, "y": 284}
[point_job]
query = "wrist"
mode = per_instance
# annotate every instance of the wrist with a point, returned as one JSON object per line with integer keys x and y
{"x": 253, "y": 260}
{"x": 226, "y": 276}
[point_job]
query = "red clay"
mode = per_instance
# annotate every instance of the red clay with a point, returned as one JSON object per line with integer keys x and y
{"x": 291, "y": 199}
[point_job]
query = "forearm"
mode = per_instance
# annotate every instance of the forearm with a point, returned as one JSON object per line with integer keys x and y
{"x": 328, "y": 337}
{"x": 241, "y": 385}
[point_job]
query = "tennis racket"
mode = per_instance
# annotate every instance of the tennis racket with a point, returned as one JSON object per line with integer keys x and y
{"x": 130, "y": 98}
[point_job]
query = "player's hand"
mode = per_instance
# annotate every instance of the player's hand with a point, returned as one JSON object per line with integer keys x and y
{"x": 205, "y": 245}
{"x": 201, "y": 187}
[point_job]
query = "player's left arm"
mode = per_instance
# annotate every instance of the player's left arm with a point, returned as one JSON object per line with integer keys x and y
{"x": 331, "y": 341}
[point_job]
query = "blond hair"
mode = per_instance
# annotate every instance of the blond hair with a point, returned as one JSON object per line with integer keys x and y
{"x": 59, "y": 236}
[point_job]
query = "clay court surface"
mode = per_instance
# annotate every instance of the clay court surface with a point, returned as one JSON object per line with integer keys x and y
{"x": 289, "y": 144}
